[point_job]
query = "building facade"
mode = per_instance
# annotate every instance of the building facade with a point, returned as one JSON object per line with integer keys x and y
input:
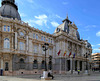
{"x": 21, "y": 45}
{"x": 96, "y": 61}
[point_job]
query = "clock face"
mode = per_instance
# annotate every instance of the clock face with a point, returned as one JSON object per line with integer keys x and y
{"x": 21, "y": 34}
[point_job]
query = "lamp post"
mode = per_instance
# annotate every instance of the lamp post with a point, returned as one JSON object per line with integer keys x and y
{"x": 45, "y": 48}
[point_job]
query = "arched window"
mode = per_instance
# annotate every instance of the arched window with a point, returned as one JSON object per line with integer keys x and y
{"x": 21, "y": 34}
{"x": 22, "y": 64}
{"x": 21, "y": 46}
{"x": 6, "y": 66}
{"x": 35, "y": 64}
{"x": 43, "y": 64}
{"x": 6, "y": 43}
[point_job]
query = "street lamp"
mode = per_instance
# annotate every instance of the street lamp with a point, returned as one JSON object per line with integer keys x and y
{"x": 45, "y": 48}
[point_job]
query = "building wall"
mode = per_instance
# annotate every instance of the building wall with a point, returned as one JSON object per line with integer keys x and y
{"x": 96, "y": 61}
{"x": 24, "y": 46}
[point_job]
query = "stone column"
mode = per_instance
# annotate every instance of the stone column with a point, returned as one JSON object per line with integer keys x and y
{"x": 2, "y": 63}
{"x": 10, "y": 64}
{"x": 71, "y": 65}
{"x": 12, "y": 41}
{"x": 15, "y": 40}
{"x": 74, "y": 64}
{"x": 78, "y": 65}
{"x": 83, "y": 67}
{"x": 27, "y": 43}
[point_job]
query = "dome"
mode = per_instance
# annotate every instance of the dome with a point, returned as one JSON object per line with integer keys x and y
{"x": 77, "y": 34}
{"x": 89, "y": 45}
{"x": 9, "y": 9}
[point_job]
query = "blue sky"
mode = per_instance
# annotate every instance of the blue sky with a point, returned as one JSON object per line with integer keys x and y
{"x": 46, "y": 15}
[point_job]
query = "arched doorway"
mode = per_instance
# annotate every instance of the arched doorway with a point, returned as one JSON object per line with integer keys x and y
{"x": 43, "y": 64}
{"x": 35, "y": 64}
{"x": 21, "y": 64}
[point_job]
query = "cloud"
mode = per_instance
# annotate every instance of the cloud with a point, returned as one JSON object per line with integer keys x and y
{"x": 96, "y": 49}
{"x": 58, "y": 16}
{"x": 30, "y": 1}
{"x": 92, "y": 45}
{"x": 23, "y": 15}
{"x": 65, "y": 3}
{"x": 98, "y": 34}
{"x": 41, "y": 17}
{"x": 39, "y": 20}
{"x": 90, "y": 26}
{"x": 98, "y": 44}
{"x": 55, "y": 24}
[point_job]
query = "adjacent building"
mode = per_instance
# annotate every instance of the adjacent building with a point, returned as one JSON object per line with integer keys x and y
{"x": 96, "y": 61}
{"x": 21, "y": 45}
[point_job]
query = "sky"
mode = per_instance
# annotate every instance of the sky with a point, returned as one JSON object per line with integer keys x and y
{"x": 46, "y": 15}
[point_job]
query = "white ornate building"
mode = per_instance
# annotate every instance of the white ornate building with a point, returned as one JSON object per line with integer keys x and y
{"x": 21, "y": 45}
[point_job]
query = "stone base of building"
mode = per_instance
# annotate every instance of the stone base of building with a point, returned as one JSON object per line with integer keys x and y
{"x": 21, "y": 72}
{"x": 49, "y": 78}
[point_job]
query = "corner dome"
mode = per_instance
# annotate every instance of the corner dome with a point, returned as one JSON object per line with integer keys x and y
{"x": 9, "y": 9}
{"x": 89, "y": 45}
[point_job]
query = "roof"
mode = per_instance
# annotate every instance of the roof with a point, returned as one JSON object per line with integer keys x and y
{"x": 9, "y": 10}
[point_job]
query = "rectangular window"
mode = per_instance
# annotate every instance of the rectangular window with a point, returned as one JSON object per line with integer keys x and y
{"x": 50, "y": 51}
{"x": 4, "y": 27}
{"x": 42, "y": 38}
{"x": 21, "y": 44}
{"x": 49, "y": 40}
{"x": 43, "y": 52}
{"x": 8, "y": 28}
{"x": 35, "y": 49}
{"x": 34, "y": 35}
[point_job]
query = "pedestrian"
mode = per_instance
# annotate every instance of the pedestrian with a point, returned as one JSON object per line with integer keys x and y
{"x": 50, "y": 75}
{"x": 78, "y": 72}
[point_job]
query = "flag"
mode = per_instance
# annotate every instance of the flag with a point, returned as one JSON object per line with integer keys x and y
{"x": 59, "y": 52}
{"x": 64, "y": 53}
{"x": 74, "y": 55}
{"x": 69, "y": 54}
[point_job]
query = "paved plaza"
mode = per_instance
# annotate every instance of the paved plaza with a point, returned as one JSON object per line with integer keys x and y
{"x": 93, "y": 77}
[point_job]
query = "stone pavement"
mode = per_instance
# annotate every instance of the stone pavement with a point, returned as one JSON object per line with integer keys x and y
{"x": 94, "y": 77}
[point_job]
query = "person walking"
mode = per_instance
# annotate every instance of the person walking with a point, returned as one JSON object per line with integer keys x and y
{"x": 78, "y": 72}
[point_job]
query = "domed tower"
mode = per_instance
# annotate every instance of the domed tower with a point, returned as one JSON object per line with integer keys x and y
{"x": 9, "y": 9}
